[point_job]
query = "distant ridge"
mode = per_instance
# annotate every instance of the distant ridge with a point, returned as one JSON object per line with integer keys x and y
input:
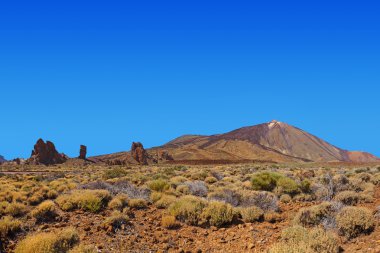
{"x": 2, "y": 159}
{"x": 273, "y": 141}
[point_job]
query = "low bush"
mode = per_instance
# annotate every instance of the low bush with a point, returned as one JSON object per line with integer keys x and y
{"x": 16, "y": 209}
{"x": 314, "y": 215}
{"x": 217, "y": 214}
{"x": 211, "y": 180}
{"x": 116, "y": 220}
{"x": 267, "y": 201}
{"x": 169, "y": 221}
{"x": 265, "y": 181}
{"x": 297, "y": 239}
{"x": 251, "y": 214}
{"x": 285, "y": 198}
{"x": 158, "y": 185}
{"x": 197, "y": 188}
{"x": 353, "y": 221}
{"x": 46, "y": 211}
{"x": 9, "y": 226}
{"x": 53, "y": 242}
{"x": 137, "y": 203}
{"x": 347, "y": 197}
{"x": 118, "y": 202}
{"x": 287, "y": 185}
{"x": 114, "y": 173}
{"x": 87, "y": 200}
{"x": 165, "y": 201}
{"x": 188, "y": 209}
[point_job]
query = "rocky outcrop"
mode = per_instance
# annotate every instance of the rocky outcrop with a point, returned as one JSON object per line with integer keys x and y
{"x": 163, "y": 155}
{"x": 45, "y": 153}
{"x": 82, "y": 152}
{"x": 138, "y": 153}
{"x": 2, "y": 159}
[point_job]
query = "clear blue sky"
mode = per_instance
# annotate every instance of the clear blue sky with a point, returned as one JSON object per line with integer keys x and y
{"x": 106, "y": 73}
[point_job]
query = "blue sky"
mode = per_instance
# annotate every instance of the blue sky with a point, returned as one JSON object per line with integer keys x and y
{"x": 106, "y": 73}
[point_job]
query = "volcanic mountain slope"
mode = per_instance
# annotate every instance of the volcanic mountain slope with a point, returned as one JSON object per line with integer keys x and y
{"x": 274, "y": 141}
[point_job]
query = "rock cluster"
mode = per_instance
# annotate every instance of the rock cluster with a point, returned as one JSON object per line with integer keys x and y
{"x": 82, "y": 152}
{"x": 139, "y": 153}
{"x": 45, "y": 153}
{"x": 163, "y": 155}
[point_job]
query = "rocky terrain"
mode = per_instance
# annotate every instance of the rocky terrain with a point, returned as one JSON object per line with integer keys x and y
{"x": 270, "y": 208}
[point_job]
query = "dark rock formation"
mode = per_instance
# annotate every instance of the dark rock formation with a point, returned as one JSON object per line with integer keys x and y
{"x": 45, "y": 153}
{"x": 138, "y": 153}
{"x": 82, "y": 152}
{"x": 163, "y": 155}
{"x": 2, "y": 159}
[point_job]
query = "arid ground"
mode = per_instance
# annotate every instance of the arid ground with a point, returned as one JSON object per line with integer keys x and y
{"x": 183, "y": 208}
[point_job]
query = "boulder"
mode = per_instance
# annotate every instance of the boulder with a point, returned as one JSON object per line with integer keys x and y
{"x": 45, "y": 153}
{"x": 139, "y": 153}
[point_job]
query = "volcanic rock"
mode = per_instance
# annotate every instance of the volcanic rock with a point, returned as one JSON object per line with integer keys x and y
{"x": 138, "y": 153}
{"x": 2, "y": 159}
{"x": 82, "y": 152}
{"x": 45, "y": 153}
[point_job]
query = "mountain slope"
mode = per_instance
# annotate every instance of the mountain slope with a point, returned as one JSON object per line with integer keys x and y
{"x": 273, "y": 141}
{"x": 276, "y": 141}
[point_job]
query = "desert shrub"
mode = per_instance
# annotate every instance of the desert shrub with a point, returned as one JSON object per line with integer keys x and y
{"x": 9, "y": 226}
{"x": 36, "y": 198}
{"x": 272, "y": 217}
{"x": 353, "y": 221}
{"x": 225, "y": 195}
{"x": 118, "y": 202}
{"x": 285, "y": 198}
{"x": 87, "y": 200}
{"x": 211, "y": 180}
{"x": 16, "y": 209}
{"x": 53, "y": 242}
{"x": 265, "y": 181}
{"x": 169, "y": 221}
{"x": 177, "y": 180}
{"x": 197, "y": 188}
{"x": 137, "y": 203}
{"x": 305, "y": 186}
{"x": 320, "y": 192}
{"x": 303, "y": 197}
{"x": 265, "y": 200}
{"x": 297, "y": 239}
{"x": 251, "y": 214}
{"x": 184, "y": 189}
{"x": 217, "y": 214}
{"x": 341, "y": 183}
{"x": 84, "y": 249}
{"x": 133, "y": 192}
{"x": 187, "y": 209}
{"x": 116, "y": 220}
{"x": 286, "y": 185}
{"x": 158, "y": 185}
{"x": 114, "y": 173}
{"x": 165, "y": 201}
{"x": 45, "y": 211}
{"x": 365, "y": 177}
{"x": 314, "y": 215}
{"x": 347, "y": 197}
{"x": 52, "y": 194}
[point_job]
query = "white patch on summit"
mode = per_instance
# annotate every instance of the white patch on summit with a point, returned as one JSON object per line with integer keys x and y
{"x": 273, "y": 123}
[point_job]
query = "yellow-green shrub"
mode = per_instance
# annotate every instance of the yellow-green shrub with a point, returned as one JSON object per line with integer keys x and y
{"x": 217, "y": 214}
{"x": 87, "y": 200}
{"x": 251, "y": 214}
{"x": 45, "y": 211}
{"x": 8, "y": 225}
{"x": 53, "y": 242}
{"x": 188, "y": 209}
{"x": 353, "y": 221}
